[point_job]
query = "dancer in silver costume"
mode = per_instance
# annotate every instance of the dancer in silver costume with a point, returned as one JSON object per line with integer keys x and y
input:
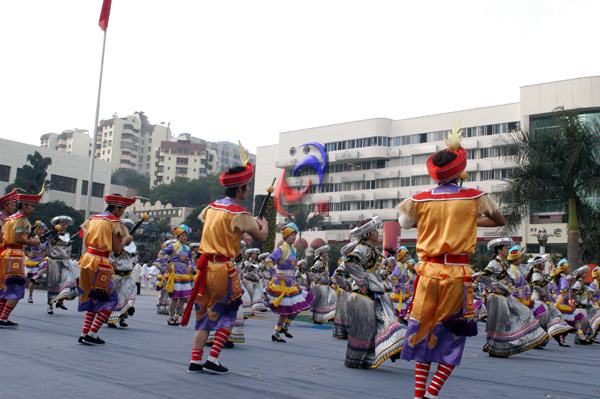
{"x": 374, "y": 333}
{"x": 252, "y": 281}
{"x": 548, "y": 315}
{"x": 511, "y": 326}
{"x": 62, "y": 271}
{"x": 124, "y": 284}
{"x": 343, "y": 281}
{"x": 323, "y": 307}
{"x": 302, "y": 275}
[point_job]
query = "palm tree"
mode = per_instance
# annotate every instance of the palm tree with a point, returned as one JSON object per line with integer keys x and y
{"x": 304, "y": 219}
{"x": 31, "y": 178}
{"x": 557, "y": 167}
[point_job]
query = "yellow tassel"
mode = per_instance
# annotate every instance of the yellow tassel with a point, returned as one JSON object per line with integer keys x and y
{"x": 171, "y": 281}
{"x": 275, "y": 302}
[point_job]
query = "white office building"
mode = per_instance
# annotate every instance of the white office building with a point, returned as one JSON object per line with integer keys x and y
{"x": 68, "y": 175}
{"x": 375, "y": 163}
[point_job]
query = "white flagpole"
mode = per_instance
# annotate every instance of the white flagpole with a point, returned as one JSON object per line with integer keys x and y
{"x": 95, "y": 135}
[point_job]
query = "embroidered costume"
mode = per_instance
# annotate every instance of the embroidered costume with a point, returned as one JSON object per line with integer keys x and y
{"x": 323, "y": 306}
{"x": 98, "y": 297}
{"x": 442, "y": 314}
{"x": 62, "y": 271}
{"x": 283, "y": 294}
{"x": 511, "y": 326}
{"x": 12, "y": 258}
{"x": 374, "y": 333}
{"x": 123, "y": 282}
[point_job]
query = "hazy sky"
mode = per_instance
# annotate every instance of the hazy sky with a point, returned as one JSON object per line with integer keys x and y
{"x": 249, "y": 69}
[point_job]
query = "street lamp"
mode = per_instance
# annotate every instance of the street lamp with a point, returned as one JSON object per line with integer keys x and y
{"x": 542, "y": 238}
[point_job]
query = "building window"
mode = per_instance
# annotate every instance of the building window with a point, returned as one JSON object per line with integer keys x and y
{"x": 181, "y": 171}
{"x": 4, "y": 173}
{"x": 97, "y": 189}
{"x": 182, "y": 161}
{"x": 63, "y": 183}
{"x": 486, "y": 175}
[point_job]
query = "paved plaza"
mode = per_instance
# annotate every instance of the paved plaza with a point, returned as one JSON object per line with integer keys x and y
{"x": 149, "y": 360}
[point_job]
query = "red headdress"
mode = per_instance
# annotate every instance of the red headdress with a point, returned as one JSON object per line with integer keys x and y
{"x": 457, "y": 166}
{"x": 32, "y": 199}
{"x": 119, "y": 200}
{"x": 8, "y": 198}
{"x": 237, "y": 179}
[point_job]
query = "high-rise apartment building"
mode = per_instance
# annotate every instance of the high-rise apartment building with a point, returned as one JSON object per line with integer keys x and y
{"x": 130, "y": 142}
{"x": 186, "y": 157}
{"x": 75, "y": 141}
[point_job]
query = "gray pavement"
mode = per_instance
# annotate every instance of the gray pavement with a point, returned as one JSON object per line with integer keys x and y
{"x": 41, "y": 359}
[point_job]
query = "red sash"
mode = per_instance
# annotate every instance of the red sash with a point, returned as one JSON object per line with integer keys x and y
{"x": 200, "y": 282}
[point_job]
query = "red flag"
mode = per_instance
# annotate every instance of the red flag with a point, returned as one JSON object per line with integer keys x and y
{"x": 104, "y": 15}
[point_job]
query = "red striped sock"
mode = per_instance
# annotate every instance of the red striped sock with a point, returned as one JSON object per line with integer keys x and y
{"x": 100, "y": 319}
{"x": 437, "y": 382}
{"x": 220, "y": 338}
{"x": 87, "y": 322}
{"x": 6, "y": 312}
{"x": 421, "y": 375}
{"x": 197, "y": 355}
{"x": 2, "y": 304}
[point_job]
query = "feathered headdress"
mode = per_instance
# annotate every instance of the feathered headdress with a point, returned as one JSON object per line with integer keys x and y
{"x": 454, "y": 168}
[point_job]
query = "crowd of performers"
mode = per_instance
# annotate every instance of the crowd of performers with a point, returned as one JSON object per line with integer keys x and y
{"x": 387, "y": 303}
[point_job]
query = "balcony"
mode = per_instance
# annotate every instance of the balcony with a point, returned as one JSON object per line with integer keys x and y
{"x": 346, "y": 155}
{"x": 374, "y": 152}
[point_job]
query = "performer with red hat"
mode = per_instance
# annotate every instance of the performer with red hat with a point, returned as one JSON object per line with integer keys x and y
{"x": 8, "y": 206}
{"x": 15, "y": 235}
{"x": 104, "y": 233}
{"x": 218, "y": 290}
{"x": 446, "y": 219}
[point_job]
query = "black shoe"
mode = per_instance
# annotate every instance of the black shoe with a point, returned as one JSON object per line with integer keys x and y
{"x": 50, "y": 309}
{"x": 8, "y": 324}
{"x": 30, "y": 300}
{"x": 172, "y": 322}
{"x": 287, "y": 333}
{"x": 277, "y": 339}
{"x": 564, "y": 345}
{"x": 228, "y": 345}
{"x": 214, "y": 367}
{"x": 195, "y": 368}
{"x": 61, "y": 305}
{"x": 81, "y": 340}
{"x": 122, "y": 324}
{"x": 111, "y": 325}
{"x": 93, "y": 340}
{"x": 580, "y": 341}
{"x": 317, "y": 322}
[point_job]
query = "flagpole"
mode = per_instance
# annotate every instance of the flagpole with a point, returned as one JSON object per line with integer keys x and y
{"x": 95, "y": 135}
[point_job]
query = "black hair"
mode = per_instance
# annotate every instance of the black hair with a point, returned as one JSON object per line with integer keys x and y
{"x": 498, "y": 248}
{"x": 110, "y": 208}
{"x": 232, "y": 191}
{"x": 442, "y": 158}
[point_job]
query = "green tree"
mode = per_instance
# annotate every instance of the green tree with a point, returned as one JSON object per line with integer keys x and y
{"x": 557, "y": 167}
{"x": 131, "y": 178}
{"x": 190, "y": 193}
{"x": 31, "y": 178}
{"x": 304, "y": 218}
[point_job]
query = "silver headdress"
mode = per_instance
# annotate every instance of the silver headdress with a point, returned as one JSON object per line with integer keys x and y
{"x": 320, "y": 250}
{"x": 68, "y": 220}
{"x": 361, "y": 231}
{"x": 499, "y": 242}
